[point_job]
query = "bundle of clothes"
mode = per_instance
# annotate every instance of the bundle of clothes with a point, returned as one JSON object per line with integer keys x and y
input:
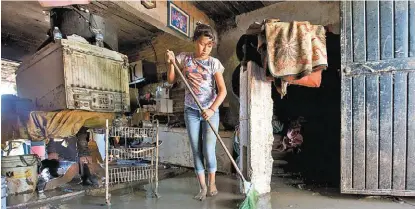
{"x": 292, "y": 139}
{"x": 290, "y": 52}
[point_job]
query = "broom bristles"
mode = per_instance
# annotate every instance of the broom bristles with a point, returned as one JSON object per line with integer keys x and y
{"x": 251, "y": 200}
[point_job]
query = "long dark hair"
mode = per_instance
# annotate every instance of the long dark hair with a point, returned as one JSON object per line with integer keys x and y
{"x": 204, "y": 30}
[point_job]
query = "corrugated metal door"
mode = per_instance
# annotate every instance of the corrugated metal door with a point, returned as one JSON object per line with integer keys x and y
{"x": 378, "y": 97}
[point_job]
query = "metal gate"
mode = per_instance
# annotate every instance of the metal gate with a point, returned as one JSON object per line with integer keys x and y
{"x": 378, "y": 98}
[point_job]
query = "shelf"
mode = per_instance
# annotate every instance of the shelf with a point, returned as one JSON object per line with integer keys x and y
{"x": 132, "y": 132}
{"x": 122, "y": 174}
{"x": 133, "y": 164}
{"x": 130, "y": 153}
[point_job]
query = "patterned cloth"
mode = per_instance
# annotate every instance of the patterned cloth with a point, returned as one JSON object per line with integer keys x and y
{"x": 61, "y": 124}
{"x": 200, "y": 75}
{"x": 296, "y": 48}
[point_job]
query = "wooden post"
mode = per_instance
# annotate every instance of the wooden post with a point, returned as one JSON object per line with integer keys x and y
{"x": 256, "y": 139}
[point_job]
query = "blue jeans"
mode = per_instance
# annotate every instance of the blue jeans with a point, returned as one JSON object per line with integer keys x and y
{"x": 202, "y": 139}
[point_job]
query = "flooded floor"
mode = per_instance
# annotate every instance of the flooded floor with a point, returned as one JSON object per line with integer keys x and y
{"x": 177, "y": 193}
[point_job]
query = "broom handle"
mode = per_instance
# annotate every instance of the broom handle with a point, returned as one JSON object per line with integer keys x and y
{"x": 210, "y": 124}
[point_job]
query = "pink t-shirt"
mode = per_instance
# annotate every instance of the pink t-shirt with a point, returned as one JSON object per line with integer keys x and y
{"x": 201, "y": 77}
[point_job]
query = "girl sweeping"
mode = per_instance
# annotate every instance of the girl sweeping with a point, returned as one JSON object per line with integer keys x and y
{"x": 203, "y": 73}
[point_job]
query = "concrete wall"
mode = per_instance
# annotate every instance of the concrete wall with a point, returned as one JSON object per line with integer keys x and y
{"x": 170, "y": 39}
{"x": 255, "y": 128}
{"x": 176, "y": 149}
{"x": 316, "y": 12}
{"x": 158, "y": 16}
{"x": 155, "y": 52}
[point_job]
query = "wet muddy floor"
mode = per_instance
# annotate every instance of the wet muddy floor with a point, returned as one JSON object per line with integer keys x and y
{"x": 177, "y": 193}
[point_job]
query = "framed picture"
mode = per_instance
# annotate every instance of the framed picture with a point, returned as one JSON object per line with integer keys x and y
{"x": 177, "y": 19}
{"x": 148, "y": 4}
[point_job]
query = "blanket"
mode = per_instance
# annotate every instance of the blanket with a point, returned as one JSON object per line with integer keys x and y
{"x": 46, "y": 125}
{"x": 295, "y": 48}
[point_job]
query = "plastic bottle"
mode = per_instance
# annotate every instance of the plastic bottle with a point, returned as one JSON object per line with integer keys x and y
{"x": 57, "y": 35}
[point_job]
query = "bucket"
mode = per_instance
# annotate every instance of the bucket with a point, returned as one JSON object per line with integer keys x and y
{"x": 21, "y": 173}
{"x": 3, "y": 192}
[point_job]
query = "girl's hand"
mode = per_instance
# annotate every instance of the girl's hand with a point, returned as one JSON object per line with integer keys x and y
{"x": 207, "y": 114}
{"x": 170, "y": 58}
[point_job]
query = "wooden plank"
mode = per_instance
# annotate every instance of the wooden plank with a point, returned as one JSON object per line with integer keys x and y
{"x": 401, "y": 29}
{"x": 411, "y": 19}
{"x": 359, "y": 132}
{"x": 226, "y": 11}
{"x": 253, "y": 5}
{"x": 382, "y": 66}
{"x": 386, "y": 30}
{"x": 410, "y": 164}
{"x": 385, "y": 130}
{"x": 372, "y": 131}
{"x": 399, "y": 131}
{"x": 359, "y": 34}
{"x": 384, "y": 192}
{"x": 346, "y": 134}
{"x": 372, "y": 30}
{"x": 347, "y": 36}
{"x": 235, "y": 7}
{"x": 268, "y": 3}
{"x": 243, "y": 6}
{"x": 204, "y": 7}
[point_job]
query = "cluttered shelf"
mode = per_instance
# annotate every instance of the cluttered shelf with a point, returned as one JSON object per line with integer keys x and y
{"x": 137, "y": 158}
{"x": 132, "y": 132}
{"x": 129, "y": 173}
{"x": 121, "y": 154}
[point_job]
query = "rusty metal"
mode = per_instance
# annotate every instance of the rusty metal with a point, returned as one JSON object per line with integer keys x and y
{"x": 378, "y": 98}
{"x": 74, "y": 75}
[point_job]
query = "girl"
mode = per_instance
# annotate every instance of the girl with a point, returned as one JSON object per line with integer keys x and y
{"x": 203, "y": 73}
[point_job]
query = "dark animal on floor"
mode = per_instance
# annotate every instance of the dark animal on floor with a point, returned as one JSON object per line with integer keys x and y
{"x": 52, "y": 165}
{"x": 88, "y": 178}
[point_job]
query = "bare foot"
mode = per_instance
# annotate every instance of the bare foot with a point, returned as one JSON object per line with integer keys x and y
{"x": 213, "y": 190}
{"x": 202, "y": 195}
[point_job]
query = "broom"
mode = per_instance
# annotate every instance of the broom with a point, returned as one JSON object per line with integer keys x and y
{"x": 251, "y": 198}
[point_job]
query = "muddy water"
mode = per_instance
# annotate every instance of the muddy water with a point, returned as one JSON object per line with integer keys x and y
{"x": 177, "y": 193}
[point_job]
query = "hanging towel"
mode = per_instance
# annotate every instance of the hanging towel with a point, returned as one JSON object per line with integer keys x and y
{"x": 295, "y": 49}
